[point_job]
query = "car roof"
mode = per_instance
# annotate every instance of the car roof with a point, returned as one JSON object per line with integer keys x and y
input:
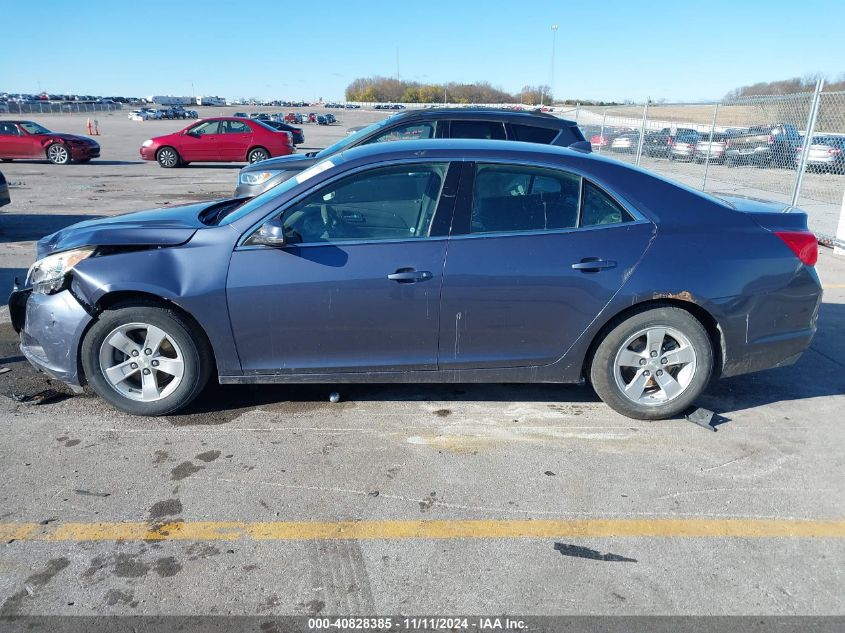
{"x": 539, "y": 118}
{"x": 455, "y": 149}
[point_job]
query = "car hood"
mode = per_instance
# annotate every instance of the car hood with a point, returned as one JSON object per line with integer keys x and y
{"x": 157, "y": 227}
{"x": 71, "y": 137}
{"x": 292, "y": 162}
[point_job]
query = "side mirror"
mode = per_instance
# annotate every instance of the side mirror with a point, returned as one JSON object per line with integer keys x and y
{"x": 271, "y": 233}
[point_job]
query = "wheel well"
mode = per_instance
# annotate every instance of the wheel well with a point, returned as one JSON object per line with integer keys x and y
{"x": 702, "y": 316}
{"x": 132, "y": 297}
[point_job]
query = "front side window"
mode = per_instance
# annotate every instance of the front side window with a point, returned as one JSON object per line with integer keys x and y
{"x": 209, "y": 127}
{"x": 413, "y": 132}
{"x": 34, "y": 128}
{"x": 386, "y": 203}
{"x": 235, "y": 127}
{"x": 477, "y": 129}
{"x": 519, "y": 198}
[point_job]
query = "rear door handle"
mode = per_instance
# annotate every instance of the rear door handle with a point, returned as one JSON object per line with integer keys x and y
{"x": 593, "y": 265}
{"x": 409, "y": 276}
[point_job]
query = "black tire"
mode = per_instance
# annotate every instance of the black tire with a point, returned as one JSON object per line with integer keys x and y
{"x": 603, "y": 374}
{"x": 168, "y": 157}
{"x": 256, "y": 154}
{"x": 58, "y": 154}
{"x": 196, "y": 357}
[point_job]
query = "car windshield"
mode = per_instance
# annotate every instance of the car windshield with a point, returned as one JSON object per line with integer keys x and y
{"x": 231, "y": 213}
{"x": 34, "y": 128}
{"x": 352, "y": 139}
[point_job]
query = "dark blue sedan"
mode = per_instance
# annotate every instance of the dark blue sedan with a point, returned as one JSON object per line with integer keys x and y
{"x": 431, "y": 261}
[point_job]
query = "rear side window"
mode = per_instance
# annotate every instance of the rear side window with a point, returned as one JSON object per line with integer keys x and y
{"x": 598, "y": 208}
{"x": 533, "y": 134}
{"x": 493, "y": 130}
{"x": 236, "y": 127}
{"x": 413, "y": 132}
{"x": 517, "y": 198}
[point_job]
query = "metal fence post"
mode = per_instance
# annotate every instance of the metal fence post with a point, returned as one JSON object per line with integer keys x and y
{"x": 601, "y": 134}
{"x": 709, "y": 147}
{"x": 808, "y": 139}
{"x": 840, "y": 231}
{"x": 642, "y": 131}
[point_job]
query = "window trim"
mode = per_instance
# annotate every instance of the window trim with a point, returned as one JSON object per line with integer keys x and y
{"x": 462, "y": 218}
{"x": 445, "y": 205}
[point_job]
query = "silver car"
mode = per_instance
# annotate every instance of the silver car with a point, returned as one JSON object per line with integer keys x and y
{"x": 827, "y": 153}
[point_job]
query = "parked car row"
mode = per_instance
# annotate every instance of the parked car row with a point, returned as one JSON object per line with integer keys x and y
{"x": 175, "y": 112}
{"x": 774, "y": 145}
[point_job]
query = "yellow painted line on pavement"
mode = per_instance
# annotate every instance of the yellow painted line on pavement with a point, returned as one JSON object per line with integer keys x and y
{"x": 430, "y": 529}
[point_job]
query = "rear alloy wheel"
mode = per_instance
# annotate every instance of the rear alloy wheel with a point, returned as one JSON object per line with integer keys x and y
{"x": 58, "y": 154}
{"x": 145, "y": 359}
{"x": 654, "y": 364}
{"x": 168, "y": 157}
{"x": 259, "y": 153}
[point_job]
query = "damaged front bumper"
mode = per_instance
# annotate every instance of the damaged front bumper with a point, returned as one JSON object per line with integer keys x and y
{"x": 51, "y": 327}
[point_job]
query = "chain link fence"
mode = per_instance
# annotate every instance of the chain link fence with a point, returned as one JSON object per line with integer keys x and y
{"x": 789, "y": 148}
{"x": 58, "y": 107}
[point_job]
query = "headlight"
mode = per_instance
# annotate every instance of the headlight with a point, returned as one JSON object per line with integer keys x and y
{"x": 147, "y": 143}
{"x": 257, "y": 177}
{"x": 48, "y": 275}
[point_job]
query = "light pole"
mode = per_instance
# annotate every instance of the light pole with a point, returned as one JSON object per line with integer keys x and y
{"x": 552, "y": 83}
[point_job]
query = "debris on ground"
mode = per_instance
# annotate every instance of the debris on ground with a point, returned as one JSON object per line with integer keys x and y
{"x": 702, "y": 417}
{"x": 334, "y": 397}
{"x": 42, "y": 397}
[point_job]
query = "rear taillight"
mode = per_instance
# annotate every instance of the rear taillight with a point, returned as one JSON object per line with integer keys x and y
{"x": 803, "y": 243}
{"x": 771, "y": 139}
{"x": 671, "y": 141}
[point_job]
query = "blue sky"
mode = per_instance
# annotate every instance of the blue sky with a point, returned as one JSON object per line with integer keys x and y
{"x": 314, "y": 48}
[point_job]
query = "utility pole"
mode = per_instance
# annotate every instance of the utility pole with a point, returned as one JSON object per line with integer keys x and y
{"x": 552, "y": 83}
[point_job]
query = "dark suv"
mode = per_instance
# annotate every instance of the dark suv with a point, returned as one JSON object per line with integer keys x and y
{"x": 475, "y": 123}
{"x": 772, "y": 145}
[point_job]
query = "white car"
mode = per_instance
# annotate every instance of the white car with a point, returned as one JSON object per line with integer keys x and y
{"x": 138, "y": 115}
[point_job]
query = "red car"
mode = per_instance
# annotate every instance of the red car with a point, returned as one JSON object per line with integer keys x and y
{"x": 25, "y": 139}
{"x": 222, "y": 139}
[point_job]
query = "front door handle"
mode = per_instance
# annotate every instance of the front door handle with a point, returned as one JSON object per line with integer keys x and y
{"x": 409, "y": 276}
{"x": 593, "y": 265}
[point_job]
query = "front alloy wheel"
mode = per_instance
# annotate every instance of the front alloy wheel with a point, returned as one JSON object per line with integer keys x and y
{"x": 58, "y": 154}
{"x": 146, "y": 359}
{"x": 141, "y": 362}
{"x": 167, "y": 157}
